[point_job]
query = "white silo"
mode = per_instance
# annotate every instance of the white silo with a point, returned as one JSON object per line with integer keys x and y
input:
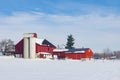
{"x": 26, "y": 48}
{"x": 29, "y": 46}
{"x": 32, "y": 47}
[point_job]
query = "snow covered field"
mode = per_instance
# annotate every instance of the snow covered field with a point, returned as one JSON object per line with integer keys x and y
{"x": 21, "y": 69}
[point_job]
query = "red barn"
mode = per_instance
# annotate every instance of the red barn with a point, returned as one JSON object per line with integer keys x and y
{"x": 43, "y": 47}
{"x": 75, "y": 54}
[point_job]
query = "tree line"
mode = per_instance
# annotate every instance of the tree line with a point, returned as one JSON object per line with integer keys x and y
{"x": 107, "y": 54}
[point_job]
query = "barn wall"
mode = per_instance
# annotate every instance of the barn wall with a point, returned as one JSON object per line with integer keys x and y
{"x": 41, "y": 56}
{"x": 75, "y": 56}
{"x": 19, "y": 47}
{"x": 60, "y": 55}
{"x": 89, "y": 54}
{"x": 41, "y": 48}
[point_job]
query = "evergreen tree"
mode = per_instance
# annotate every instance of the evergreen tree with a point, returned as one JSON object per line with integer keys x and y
{"x": 70, "y": 42}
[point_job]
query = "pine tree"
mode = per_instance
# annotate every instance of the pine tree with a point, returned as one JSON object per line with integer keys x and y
{"x": 70, "y": 42}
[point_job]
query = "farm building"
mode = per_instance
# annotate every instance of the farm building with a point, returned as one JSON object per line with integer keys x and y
{"x": 32, "y": 47}
{"x": 75, "y": 54}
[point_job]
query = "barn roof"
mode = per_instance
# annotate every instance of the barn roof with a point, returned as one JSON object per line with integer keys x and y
{"x": 75, "y": 50}
{"x": 78, "y": 50}
{"x": 39, "y": 41}
{"x": 44, "y": 42}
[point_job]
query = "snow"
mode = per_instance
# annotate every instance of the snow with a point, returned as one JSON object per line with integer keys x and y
{"x": 28, "y": 34}
{"x": 60, "y": 50}
{"x": 0, "y": 53}
{"x": 64, "y": 50}
{"x": 43, "y": 53}
{"x": 39, "y": 69}
{"x": 6, "y": 57}
{"x": 79, "y": 52}
{"x": 39, "y": 41}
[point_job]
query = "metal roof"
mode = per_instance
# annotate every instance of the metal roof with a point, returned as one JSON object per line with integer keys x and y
{"x": 82, "y": 50}
{"x": 44, "y": 42}
{"x": 75, "y": 50}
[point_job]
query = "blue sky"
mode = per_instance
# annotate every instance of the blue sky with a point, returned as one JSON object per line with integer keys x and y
{"x": 68, "y": 7}
{"x": 93, "y": 23}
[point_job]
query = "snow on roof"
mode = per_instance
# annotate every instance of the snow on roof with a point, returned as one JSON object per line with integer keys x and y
{"x": 28, "y": 34}
{"x": 44, "y": 53}
{"x": 60, "y": 50}
{"x": 39, "y": 41}
{"x": 79, "y": 52}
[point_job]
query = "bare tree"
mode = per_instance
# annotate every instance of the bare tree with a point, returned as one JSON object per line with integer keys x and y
{"x": 7, "y": 46}
{"x": 117, "y": 54}
{"x": 107, "y": 53}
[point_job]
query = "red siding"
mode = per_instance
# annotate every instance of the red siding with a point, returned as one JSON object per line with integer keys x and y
{"x": 19, "y": 47}
{"x": 60, "y": 55}
{"x": 35, "y": 35}
{"x": 41, "y": 48}
{"x": 41, "y": 55}
{"x": 89, "y": 54}
{"x": 76, "y": 56}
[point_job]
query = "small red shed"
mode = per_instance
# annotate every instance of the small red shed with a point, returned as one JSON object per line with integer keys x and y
{"x": 75, "y": 54}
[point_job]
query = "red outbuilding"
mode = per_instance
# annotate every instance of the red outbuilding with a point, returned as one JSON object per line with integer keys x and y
{"x": 75, "y": 54}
